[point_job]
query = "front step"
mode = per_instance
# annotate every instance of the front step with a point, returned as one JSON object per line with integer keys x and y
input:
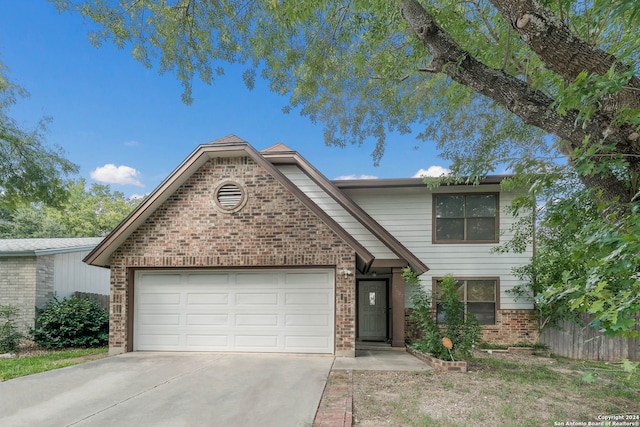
{"x": 376, "y": 346}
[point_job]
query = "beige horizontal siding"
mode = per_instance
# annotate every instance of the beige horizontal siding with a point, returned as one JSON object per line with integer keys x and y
{"x": 336, "y": 211}
{"x": 407, "y": 214}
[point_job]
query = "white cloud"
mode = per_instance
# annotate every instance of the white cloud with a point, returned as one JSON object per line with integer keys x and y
{"x": 137, "y": 196}
{"x": 131, "y": 143}
{"x": 112, "y": 174}
{"x": 432, "y": 171}
{"x": 354, "y": 176}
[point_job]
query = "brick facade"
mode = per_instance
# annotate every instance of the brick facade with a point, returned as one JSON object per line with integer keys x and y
{"x": 26, "y": 282}
{"x": 44, "y": 280}
{"x": 273, "y": 229}
{"x": 18, "y": 288}
{"x": 512, "y": 327}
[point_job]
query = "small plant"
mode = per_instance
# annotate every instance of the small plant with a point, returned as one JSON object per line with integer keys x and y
{"x": 462, "y": 331}
{"x": 72, "y": 322}
{"x": 9, "y": 335}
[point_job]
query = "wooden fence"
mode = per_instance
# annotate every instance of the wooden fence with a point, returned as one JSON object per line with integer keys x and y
{"x": 583, "y": 342}
{"x": 103, "y": 300}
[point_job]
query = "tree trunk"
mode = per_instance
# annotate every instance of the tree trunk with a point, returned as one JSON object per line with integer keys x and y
{"x": 532, "y": 106}
{"x": 564, "y": 52}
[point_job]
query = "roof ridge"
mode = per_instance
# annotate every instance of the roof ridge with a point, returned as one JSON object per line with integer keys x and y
{"x": 279, "y": 147}
{"x": 231, "y": 138}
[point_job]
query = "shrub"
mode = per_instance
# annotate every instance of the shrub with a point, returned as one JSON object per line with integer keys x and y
{"x": 9, "y": 335}
{"x": 72, "y": 322}
{"x": 463, "y": 331}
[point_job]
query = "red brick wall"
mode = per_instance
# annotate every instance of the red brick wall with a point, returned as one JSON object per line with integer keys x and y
{"x": 274, "y": 228}
{"x": 512, "y": 327}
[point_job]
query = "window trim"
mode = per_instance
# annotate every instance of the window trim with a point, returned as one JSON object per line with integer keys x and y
{"x": 434, "y": 282}
{"x": 471, "y": 242}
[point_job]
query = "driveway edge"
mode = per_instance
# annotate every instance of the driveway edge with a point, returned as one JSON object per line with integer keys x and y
{"x": 336, "y": 404}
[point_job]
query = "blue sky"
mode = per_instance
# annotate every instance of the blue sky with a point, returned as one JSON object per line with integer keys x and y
{"x": 125, "y": 125}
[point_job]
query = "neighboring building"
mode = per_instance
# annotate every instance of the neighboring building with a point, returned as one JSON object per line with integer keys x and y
{"x": 240, "y": 250}
{"x": 32, "y": 271}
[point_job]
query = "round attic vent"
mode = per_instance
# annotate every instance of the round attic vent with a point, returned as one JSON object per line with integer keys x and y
{"x": 230, "y": 197}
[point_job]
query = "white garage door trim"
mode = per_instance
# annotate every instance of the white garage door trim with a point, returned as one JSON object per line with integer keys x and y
{"x": 275, "y": 311}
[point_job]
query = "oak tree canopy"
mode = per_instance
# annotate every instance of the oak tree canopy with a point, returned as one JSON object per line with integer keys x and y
{"x": 495, "y": 83}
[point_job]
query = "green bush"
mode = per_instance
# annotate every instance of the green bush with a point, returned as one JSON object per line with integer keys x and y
{"x": 463, "y": 331}
{"x": 72, "y": 322}
{"x": 9, "y": 335}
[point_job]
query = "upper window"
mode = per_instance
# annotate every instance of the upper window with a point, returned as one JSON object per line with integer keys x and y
{"x": 479, "y": 296}
{"x": 465, "y": 218}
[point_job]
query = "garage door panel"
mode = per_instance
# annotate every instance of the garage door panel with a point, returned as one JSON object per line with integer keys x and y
{"x": 254, "y": 299}
{"x": 161, "y": 298}
{"x": 307, "y": 342}
{"x": 257, "y": 320}
{"x": 207, "y": 278}
{"x": 261, "y": 279}
{"x": 159, "y": 319}
{"x": 259, "y": 311}
{"x": 306, "y": 298}
{"x": 207, "y": 342}
{"x": 304, "y": 320}
{"x": 256, "y": 342}
{"x": 200, "y": 298}
{"x": 158, "y": 340}
{"x": 207, "y": 320}
{"x": 165, "y": 279}
{"x": 306, "y": 278}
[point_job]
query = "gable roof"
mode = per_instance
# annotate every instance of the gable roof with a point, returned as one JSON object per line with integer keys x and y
{"x": 46, "y": 246}
{"x": 283, "y": 155}
{"x": 229, "y": 146}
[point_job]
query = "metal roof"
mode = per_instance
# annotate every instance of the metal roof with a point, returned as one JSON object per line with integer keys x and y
{"x": 29, "y": 247}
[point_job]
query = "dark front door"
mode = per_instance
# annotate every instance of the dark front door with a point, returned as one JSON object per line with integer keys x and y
{"x": 372, "y": 310}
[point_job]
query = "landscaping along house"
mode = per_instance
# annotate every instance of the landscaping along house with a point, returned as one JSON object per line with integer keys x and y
{"x": 256, "y": 251}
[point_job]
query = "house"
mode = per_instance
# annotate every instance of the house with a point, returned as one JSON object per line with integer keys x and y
{"x": 247, "y": 251}
{"x": 32, "y": 271}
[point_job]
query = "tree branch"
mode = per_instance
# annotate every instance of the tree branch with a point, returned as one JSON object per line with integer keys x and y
{"x": 563, "y": 51}
{"x": 532, "y": 106}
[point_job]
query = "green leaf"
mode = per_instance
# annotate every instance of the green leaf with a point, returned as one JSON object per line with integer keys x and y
{"x": 589, "y": 377}
{"x": 595, "y": 307}
{"x": 629, "y": 366}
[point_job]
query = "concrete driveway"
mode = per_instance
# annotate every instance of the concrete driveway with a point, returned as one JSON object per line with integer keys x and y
{"x": 171, "y": 389}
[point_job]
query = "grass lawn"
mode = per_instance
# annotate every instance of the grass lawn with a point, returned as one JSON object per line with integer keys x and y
{"x": 33, "y": 363}
{"x": 499, "y": 390}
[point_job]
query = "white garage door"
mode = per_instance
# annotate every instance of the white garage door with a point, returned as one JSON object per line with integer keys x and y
{"x": 250, "y": 311}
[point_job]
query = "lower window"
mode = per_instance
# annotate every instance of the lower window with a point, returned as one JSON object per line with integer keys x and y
{"x": 479, "y": 296}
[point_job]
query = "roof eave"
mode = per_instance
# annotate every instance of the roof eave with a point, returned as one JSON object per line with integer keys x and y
{"x": 406, "y": 182}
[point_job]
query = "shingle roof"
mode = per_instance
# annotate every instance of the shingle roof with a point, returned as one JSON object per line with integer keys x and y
{"x": 276, "y": 148}
{"x": 15, "y": 247}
